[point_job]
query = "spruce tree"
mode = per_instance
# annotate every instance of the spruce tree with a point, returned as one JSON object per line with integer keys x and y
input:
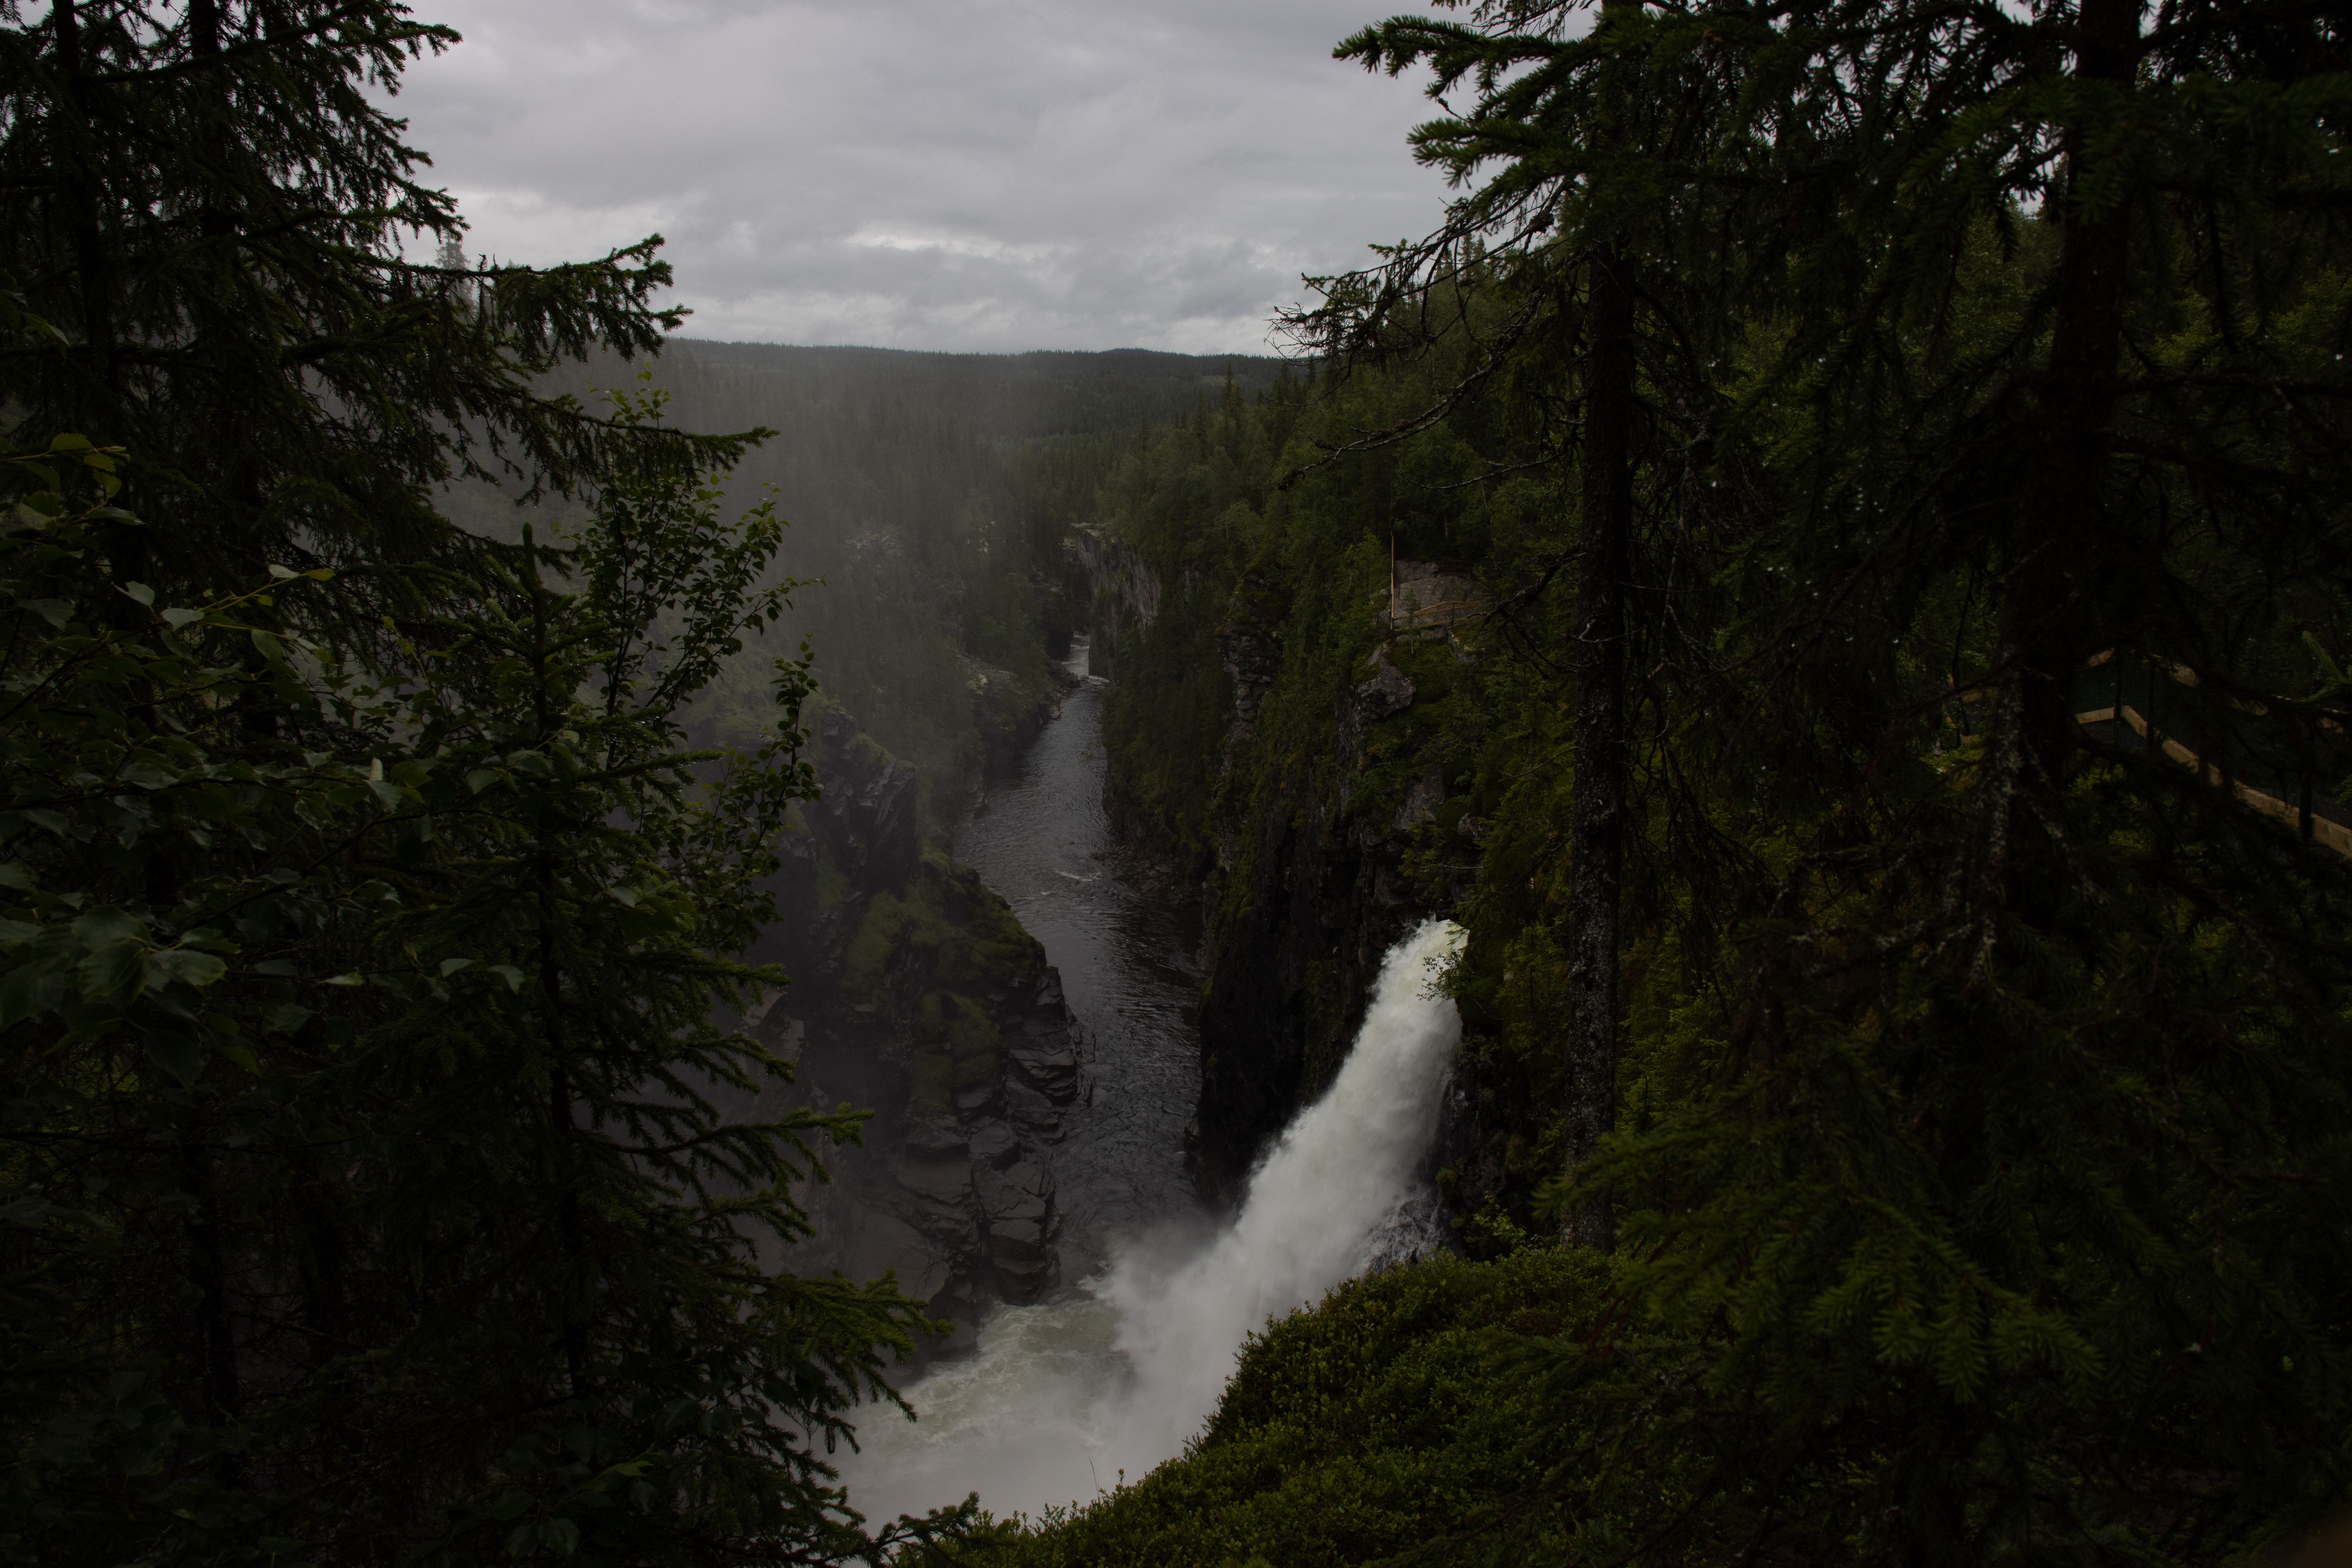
{"x": 371, "y": 1199}
{"x": 1997, "y": 1220}
{"x": 214, "y": 205}
{"x": 1597, "y": 808}
{"x": 1611, "y": 165}
{"x": 369, "y": 924}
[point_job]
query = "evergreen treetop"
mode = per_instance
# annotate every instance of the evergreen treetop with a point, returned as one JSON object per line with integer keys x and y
{"x": 1986, "y": 983}
{"x": 214, "y": 205}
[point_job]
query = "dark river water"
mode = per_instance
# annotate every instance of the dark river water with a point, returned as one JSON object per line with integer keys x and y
{"x": 1127, "y": 969}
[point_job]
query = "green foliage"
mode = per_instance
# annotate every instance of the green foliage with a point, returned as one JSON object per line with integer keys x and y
{"x": 1388, "y": 1418}
{"x": 1980, "y": 1150}
{"x": 947, "y": 928}
{"x": 366, "y": 1192}
{"x": 1300, "y": 567}
{"x": 210, "y": 202}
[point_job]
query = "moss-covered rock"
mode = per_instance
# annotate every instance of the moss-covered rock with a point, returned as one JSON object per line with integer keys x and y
{"x": 919, "y": 995}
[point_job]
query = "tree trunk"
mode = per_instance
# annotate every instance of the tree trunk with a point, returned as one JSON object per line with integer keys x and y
{"x": 224, "y": 1400}
{"x": 550, "y": 993}
{"x": 93, "y": 264}
{"x": 1597, "y": 798}
{"x": 2062, "y": 547}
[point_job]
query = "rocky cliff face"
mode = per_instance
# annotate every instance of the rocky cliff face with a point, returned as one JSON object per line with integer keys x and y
{"x": 1316, "y": 877}
{"x": 1301, "y": 918}
{"x": 1117, "y": 598}
{"x": 917, "y": 995}
{"x": 1116, "y": 593}
{"x": 1337, "y": 827}
{"x": 1119, "y": 590}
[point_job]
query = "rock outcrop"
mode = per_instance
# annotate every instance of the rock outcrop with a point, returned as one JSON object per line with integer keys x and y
{"x": 1120, "y": 591}
{"x": 1249, "y": 647}
{"x": 1428, "y": 602}
{"x": 1385, "y": 691}
{"x": 1317, "y": 875}
{"x": 917, "y": 995}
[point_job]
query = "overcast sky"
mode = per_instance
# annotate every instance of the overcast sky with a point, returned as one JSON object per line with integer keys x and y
{"x": 966, "y": 174}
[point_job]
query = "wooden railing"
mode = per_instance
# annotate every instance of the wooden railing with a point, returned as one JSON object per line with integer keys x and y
{"x": 1444, "y": 614}
{"x": 2231, "y": 761}
{"x": 2309, "y": 820}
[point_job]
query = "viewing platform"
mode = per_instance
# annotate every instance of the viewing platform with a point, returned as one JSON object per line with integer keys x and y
{"x": 1427, "y": 601}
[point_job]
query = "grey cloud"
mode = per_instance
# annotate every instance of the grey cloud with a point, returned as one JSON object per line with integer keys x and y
{"x": 936, "y": 174}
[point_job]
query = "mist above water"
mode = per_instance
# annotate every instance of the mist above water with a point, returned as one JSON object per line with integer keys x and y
{"x": 1060, "y": 1399}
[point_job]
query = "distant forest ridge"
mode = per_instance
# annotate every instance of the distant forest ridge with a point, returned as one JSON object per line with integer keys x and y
{"x": 929, "y": 499}
{"x": 1041, "y": 394}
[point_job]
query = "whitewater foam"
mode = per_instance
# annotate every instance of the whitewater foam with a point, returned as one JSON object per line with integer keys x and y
{"x": 1060, "y": 1400}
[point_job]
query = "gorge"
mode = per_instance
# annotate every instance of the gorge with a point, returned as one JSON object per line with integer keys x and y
{"x": 585, "y": 912}
{"x": 1302, "y": 710}
{"x": 1063, "y": 1401}
{"x": 1103, "y": 1363}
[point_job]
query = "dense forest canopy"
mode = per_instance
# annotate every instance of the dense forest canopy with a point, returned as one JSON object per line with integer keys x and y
{"x": 1001, "y": 397}
{"x": 371, "y": 925}
{"x": 1901, "y": 453}
{"x": 1884, "y": 746}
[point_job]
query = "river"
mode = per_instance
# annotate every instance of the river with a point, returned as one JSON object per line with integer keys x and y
{"x": 1062, "y": 1400}
{"x": 1126, "y": 970}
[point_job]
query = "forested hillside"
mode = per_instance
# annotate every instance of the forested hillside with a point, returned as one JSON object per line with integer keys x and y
{"x": 1834, "y": 568}
{"x": 929, "y": 500}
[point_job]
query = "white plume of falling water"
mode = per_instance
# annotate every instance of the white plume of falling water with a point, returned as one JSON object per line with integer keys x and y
{"x": 1322, "y": 1205}
{"x": 1060, "y": 1399}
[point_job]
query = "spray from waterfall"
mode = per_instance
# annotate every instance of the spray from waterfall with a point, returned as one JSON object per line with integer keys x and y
{"x": 1062, "y": 1399}
{"x": 1317, "y": 1207}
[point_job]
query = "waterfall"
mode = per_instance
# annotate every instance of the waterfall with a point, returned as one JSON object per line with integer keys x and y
{"x": 1317, "y": 1210}
{"x": 1062, "y": 1399}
